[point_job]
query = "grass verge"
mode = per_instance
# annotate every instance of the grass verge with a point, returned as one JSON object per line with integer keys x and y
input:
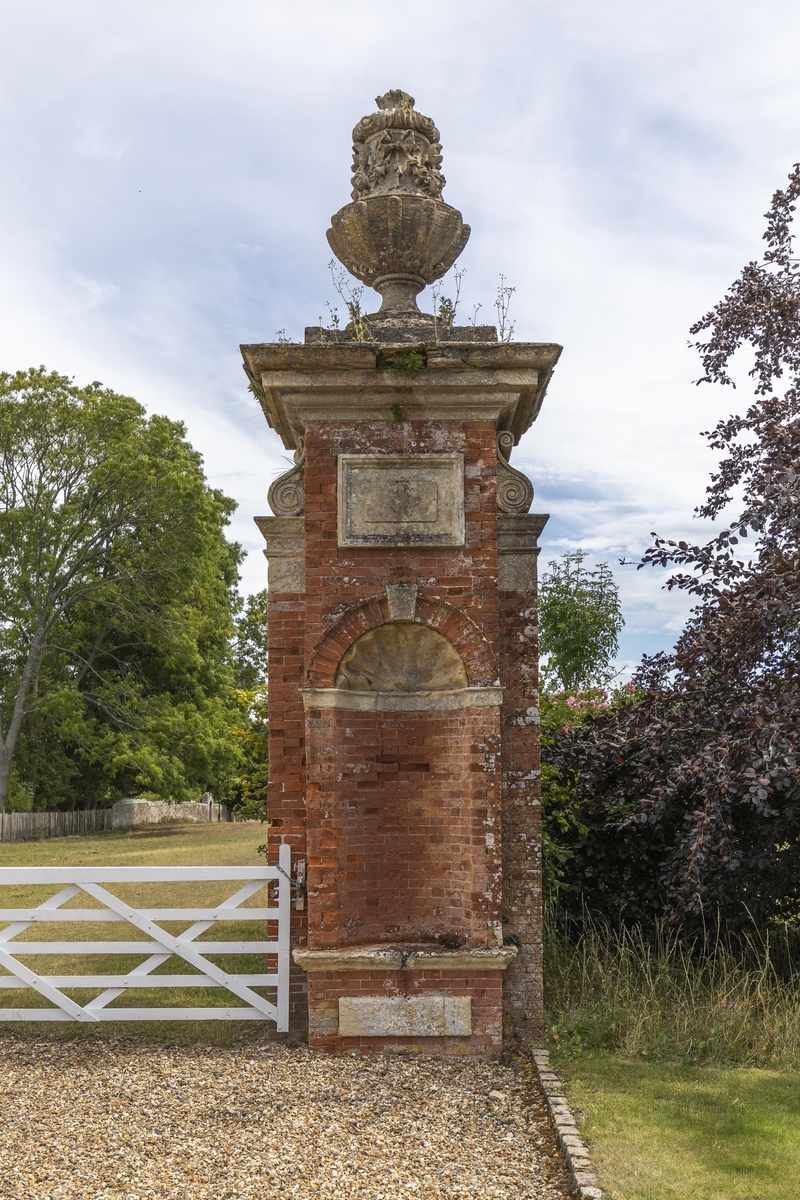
{"x": 681, "y": 1060}
{"x": 675, "y": 1131}
{"x": 701, "y": 1001}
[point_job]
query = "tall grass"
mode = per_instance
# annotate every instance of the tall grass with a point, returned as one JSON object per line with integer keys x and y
{"x": 702, "y": 1000}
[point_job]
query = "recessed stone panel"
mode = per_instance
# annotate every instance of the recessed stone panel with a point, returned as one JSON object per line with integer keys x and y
{"x": 405, "y": 1016}
{"x": 401, "y": 500}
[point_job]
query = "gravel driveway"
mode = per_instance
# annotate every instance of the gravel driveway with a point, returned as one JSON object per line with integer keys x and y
{"x": 96, "y": 1120}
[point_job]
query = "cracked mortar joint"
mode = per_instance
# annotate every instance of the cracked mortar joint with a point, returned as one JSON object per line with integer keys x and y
{"x": 582, "y": 1174}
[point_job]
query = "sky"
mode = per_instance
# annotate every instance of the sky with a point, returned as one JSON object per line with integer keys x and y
{"x": 169, "y": 168}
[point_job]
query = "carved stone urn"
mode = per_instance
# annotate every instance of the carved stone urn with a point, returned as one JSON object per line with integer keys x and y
{"x": 398, "y": 234}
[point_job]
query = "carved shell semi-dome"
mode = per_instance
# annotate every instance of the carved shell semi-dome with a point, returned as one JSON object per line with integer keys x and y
{"x": 401, "y": 657}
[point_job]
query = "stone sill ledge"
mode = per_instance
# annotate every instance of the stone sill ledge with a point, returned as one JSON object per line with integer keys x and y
{"x": 469, "y": 697}
{"x": 405, "y": 958}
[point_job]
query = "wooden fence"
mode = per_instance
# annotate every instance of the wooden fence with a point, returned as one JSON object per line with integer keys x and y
{"x": 24, "y": 826}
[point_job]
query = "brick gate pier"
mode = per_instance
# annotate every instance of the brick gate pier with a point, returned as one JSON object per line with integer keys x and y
{"x": 404, "y": 735}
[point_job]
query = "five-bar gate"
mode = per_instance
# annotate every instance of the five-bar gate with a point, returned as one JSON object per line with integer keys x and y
{"x": 158, "y": 945}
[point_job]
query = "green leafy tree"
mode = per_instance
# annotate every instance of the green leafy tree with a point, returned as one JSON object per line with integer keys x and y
{"x": 252, "y": 732}
{"x": 117, "y": 589}
{"x": 579, "y": 623}
{"x": 250, "y": 643}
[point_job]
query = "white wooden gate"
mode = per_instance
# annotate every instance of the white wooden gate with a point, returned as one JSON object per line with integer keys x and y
{"x": 160, "y": 947}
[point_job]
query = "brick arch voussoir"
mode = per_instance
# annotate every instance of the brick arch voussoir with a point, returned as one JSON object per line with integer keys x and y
{"x": 460, "y": 630}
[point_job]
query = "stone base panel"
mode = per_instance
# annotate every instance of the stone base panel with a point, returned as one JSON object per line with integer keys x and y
{"x": 405, "y": 1016}
{"x": 412, "y": 1011}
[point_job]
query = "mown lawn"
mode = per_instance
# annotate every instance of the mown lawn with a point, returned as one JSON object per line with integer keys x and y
{"x": 227, "y": 844}
{"x": 671, "y": 1131}
{"x": 160, "y": 845}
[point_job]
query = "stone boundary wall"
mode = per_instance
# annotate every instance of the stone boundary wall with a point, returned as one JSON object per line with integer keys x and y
{"x": 26, "y": 826}
{"x": 149, "y": 812}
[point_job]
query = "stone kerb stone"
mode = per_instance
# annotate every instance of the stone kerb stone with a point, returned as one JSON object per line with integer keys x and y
{"x": 584, "y": 1178}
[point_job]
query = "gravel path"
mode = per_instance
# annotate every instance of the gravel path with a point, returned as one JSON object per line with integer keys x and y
{"x": 114, "y": 1119}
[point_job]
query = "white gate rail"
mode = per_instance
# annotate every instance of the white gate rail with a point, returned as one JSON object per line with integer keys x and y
{"x": 161, "y": 947}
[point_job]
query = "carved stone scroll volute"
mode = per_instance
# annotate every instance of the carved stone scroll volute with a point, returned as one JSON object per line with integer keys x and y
{"x": 514, "y": 490}
{"x": 287, "y": 495}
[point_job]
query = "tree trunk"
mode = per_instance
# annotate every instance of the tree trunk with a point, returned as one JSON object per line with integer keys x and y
{"x": 6, "y": 753}
{"x": 30, "y": 673}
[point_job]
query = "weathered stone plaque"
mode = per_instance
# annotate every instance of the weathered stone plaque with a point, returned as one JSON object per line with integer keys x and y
{"x": 405, "y": 1016}
{"x": 401, "y": 500}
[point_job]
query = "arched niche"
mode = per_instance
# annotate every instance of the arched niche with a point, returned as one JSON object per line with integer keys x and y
{"x": 401, "y": 656}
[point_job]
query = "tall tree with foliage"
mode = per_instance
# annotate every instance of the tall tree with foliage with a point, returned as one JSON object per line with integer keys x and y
{"x": 252, "y": 731}
{"x": 116, "y": 601}
{"x": 699, "y": 776}
{"x": 580, "y": 619}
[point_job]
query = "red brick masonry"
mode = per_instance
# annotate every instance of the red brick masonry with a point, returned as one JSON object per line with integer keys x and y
{"x": 419, "y": 825}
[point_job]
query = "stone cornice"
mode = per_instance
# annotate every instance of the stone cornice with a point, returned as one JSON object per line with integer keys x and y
{"x": 362, "y": 381}
{"x": 405, "y": 958}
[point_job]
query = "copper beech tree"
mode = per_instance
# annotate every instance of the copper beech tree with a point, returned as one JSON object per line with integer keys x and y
{"x": 686, "y": 794}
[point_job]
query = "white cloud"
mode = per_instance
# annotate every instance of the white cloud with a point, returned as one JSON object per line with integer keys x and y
{"x": 169, "y": 172}
{"x": 91, "y": 293}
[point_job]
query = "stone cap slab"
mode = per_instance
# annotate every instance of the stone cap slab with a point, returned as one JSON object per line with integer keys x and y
{"x": 366, "y": 381}
{"x": 405, "y": 958}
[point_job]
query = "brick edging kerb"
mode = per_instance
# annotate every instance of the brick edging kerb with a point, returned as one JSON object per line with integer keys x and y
{"x": 582, "y": 1173}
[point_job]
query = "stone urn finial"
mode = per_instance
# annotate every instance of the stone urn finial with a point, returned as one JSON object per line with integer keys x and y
{"x": 398, "y": 234}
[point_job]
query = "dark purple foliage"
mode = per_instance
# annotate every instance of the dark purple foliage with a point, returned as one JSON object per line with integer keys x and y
{"x": 704, "y": 763}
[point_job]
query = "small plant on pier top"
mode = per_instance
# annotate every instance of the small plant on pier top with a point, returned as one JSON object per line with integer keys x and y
{"x": 502, "y": 303}
{"x": 351, "y": 298}
{"x": 445, "y": 308}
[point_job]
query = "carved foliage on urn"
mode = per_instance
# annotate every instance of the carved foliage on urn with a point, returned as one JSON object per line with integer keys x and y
{"x": 396, "y": 150}
{"x": 398, "y": 234}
